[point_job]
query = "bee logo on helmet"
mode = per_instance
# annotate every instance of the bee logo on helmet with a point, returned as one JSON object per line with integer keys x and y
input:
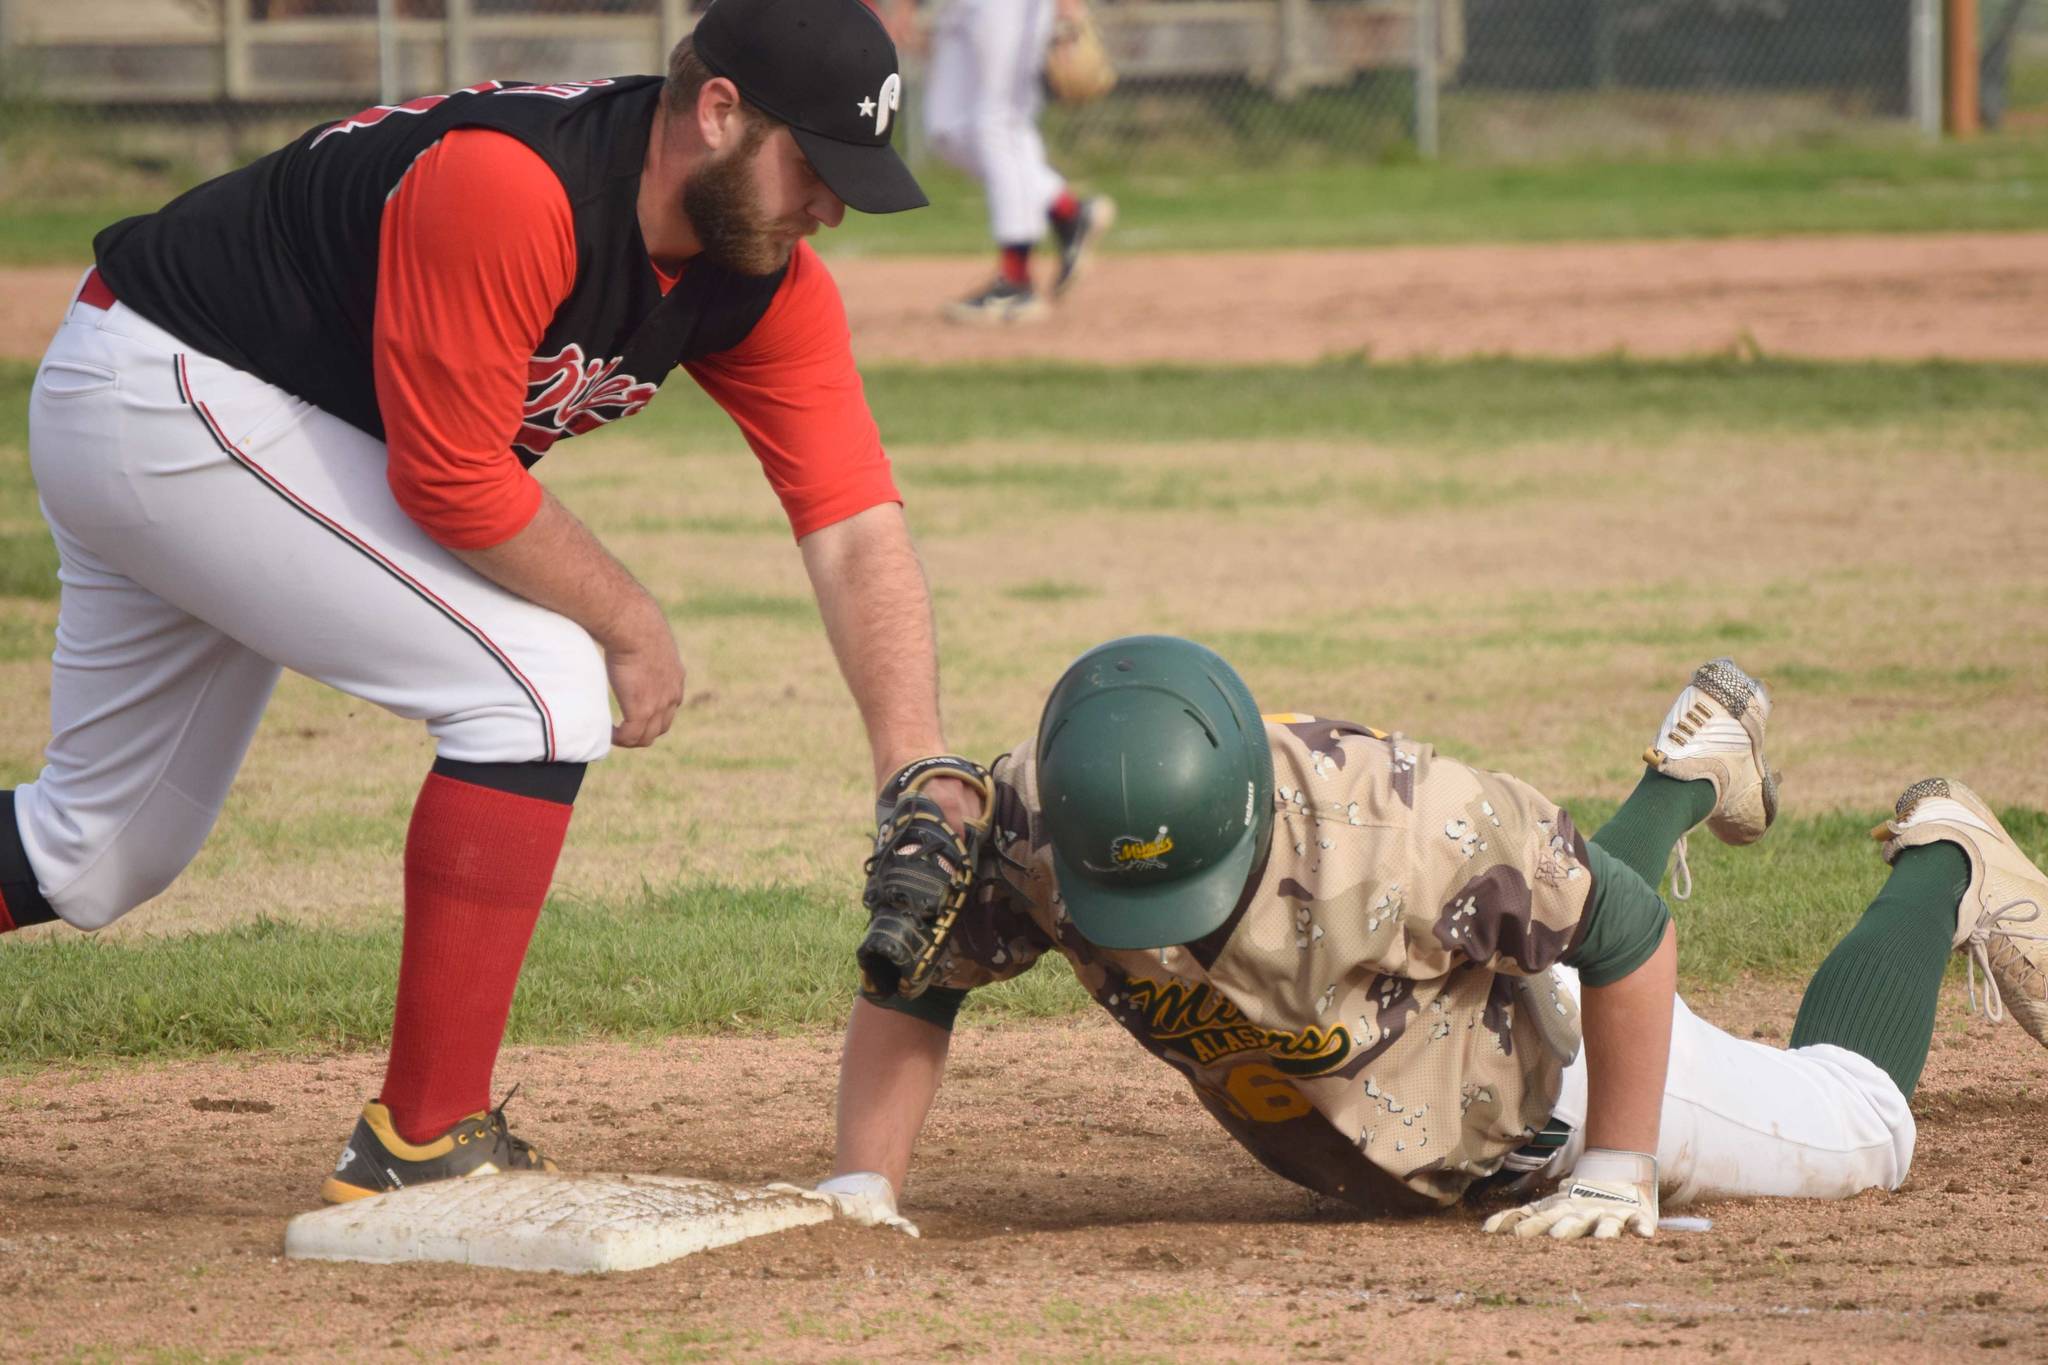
{"x": 1154, "y": 732}
{"x": 1127, "y": 852}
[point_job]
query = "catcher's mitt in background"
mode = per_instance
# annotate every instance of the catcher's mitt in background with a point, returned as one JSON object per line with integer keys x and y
{"x": 1077, "y": 65}
{"x": 919, "y": 877}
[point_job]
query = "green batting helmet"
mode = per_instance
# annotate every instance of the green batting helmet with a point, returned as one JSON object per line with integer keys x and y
{"x": 1157, "y": 786}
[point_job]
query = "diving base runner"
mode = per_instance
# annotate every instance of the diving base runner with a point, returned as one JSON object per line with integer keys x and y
{"x": 1397, "y": 979}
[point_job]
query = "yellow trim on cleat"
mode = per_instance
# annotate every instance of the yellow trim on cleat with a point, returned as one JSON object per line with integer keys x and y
{"x": 338, "y": 1191}
{"x": 379, "y": 1119}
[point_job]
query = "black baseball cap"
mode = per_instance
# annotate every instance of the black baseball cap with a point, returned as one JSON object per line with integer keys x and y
{"x": 827, "y": 68}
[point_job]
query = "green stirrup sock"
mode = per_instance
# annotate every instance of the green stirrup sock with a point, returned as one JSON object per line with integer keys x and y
{"x": 1876, "y": 992}
{"x": 1653, "y": 819}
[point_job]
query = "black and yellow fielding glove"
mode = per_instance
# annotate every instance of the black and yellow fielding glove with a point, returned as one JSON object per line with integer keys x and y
{"x": 919, "y": 877}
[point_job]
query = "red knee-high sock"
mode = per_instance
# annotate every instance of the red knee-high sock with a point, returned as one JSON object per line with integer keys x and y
{"x": 477, "y": 866}
{"x": 1064, "y": 208}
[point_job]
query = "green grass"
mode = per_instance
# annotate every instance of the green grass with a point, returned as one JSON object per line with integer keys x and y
{"x": 1437, "y": 405}
{"x": 690, "y": 958}
{"x": 1188, "y": 203}
{"x": 706, "y": 957}
{"x": 28, "y": 564}
{"x": 35, "y": 235}
{"x": 1998, "y": 183}
{"x": 762, "y": 606}
{"x": 1051, "y": 590}
{"x": 709, "y": 955}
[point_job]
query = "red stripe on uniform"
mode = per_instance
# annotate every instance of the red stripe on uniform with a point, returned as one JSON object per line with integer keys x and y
{"x": 242, "y": 457}
{"x": 96, "y": 294}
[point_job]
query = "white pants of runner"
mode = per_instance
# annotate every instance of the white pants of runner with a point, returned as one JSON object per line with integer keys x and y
{"x": 211, "y": 528}
{"x": 982, "y": 100}
{"x": 1742, "y": 1118}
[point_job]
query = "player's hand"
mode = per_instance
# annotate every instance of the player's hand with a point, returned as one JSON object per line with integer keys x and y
{"x": 958, "y": 799}
{"x": 863, "y": 1197}
{"x": 646, "y": 672}
{"x": 1609, "y": 1193}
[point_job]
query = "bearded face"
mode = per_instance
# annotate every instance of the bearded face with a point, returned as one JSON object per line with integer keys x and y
{"x": 725, "y": 205}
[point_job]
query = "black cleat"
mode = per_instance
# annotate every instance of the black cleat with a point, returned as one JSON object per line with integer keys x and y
{"x": 999, "y": 304}
{"x": 377, "y": 1160}
{"x": 1079, "y": 236}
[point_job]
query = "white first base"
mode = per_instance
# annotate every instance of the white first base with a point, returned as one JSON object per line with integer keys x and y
{"x": 533, "y": 1221}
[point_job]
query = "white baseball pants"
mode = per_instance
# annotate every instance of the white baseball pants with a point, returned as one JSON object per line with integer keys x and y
{"x": 211, "y": 528}
{"x": 1742, "y": 1118}
{"x": 982, "y": 101}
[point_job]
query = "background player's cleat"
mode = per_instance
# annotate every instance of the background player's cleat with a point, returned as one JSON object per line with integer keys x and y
{"x": 1002, "y": 302}
{"x": 1079, "y": 236}
{"x": 2006, "y": 892}
{"x": 1715, "y": 732}
{"x": 377, "y": 1159}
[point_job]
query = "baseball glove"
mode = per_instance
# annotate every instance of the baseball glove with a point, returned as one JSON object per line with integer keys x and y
{"x": 1077, "y": 65}
{"x": 920, "y": 876}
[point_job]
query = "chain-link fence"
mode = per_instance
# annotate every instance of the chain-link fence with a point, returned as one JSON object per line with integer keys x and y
{"x": 1512, "y": 79}
{"x": 1202, "y": 80}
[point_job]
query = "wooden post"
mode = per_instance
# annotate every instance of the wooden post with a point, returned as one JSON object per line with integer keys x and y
{"x": 458, "y": 63}
{"x": 675, "y": 25}
{"x": 234, "y": 49}
{"x": 1426, "y": 60}
{"x": 387, "y": 52}
{"x": 1961, "y": 43}
{"x": 1290, "y": 60}
{"x": 1923, "y": 68}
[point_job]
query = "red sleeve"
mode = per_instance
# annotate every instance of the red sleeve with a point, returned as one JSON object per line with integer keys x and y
{"x": 792, "y": 388}
{"x": 476, "y": 253}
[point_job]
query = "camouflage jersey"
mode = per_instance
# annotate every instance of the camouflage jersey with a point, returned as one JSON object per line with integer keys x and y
{"x": 1377, "y": 1020}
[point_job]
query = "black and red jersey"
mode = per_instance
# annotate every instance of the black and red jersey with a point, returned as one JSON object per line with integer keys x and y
{"x": 273, "y": 268}
{"x": 464, "y": 276}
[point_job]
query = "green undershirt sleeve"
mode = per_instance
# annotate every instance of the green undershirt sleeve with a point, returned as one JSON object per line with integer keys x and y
{"x": 1625, "y": 921}
{"x": 938, "y": 1005}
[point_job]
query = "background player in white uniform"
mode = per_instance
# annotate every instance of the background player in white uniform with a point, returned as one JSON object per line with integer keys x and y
{"x": 1365, "y": 972}
{"x": 984, "y": 93}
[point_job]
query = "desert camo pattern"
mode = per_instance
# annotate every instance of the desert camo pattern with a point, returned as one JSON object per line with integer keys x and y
{"x": 1379, "y": 1023}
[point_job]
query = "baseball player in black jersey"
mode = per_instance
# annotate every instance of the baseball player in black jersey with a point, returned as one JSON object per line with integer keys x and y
{"x": 287, "y": 423}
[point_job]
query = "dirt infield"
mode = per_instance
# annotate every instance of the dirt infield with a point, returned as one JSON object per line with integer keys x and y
{"x": 1075, "y": 1203}
{"x": 1974, "y": 297}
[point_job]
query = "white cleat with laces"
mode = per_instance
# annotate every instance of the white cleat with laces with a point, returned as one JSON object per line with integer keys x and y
{"x": 1714, "y": 732}
{"x": 1999, "y": 928}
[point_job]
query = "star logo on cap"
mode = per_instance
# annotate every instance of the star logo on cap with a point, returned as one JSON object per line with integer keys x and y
{"x": 867, "y": 108}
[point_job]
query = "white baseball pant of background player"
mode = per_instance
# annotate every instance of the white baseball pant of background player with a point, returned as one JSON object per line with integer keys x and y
{"x": 1742, "y": 1118}
{"x": 211, "y": 527}
{"x": 983, "y": 95}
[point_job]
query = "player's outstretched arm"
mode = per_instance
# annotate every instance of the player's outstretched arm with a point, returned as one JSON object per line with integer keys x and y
{"x": 889, "y": 1073}
{"x": 888, "y": 1076}
{"x": 1627, "y": 1027}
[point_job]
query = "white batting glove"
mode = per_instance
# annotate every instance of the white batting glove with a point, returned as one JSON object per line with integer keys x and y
{"x": 863, "y": 1197}
{"x": 1607, "y": 1194}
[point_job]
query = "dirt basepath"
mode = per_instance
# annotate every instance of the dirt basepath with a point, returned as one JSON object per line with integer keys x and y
{"x": 1966, "y": 297}
{"x": 1958, "y": 296}
{"x": 1075, "y": 1203}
